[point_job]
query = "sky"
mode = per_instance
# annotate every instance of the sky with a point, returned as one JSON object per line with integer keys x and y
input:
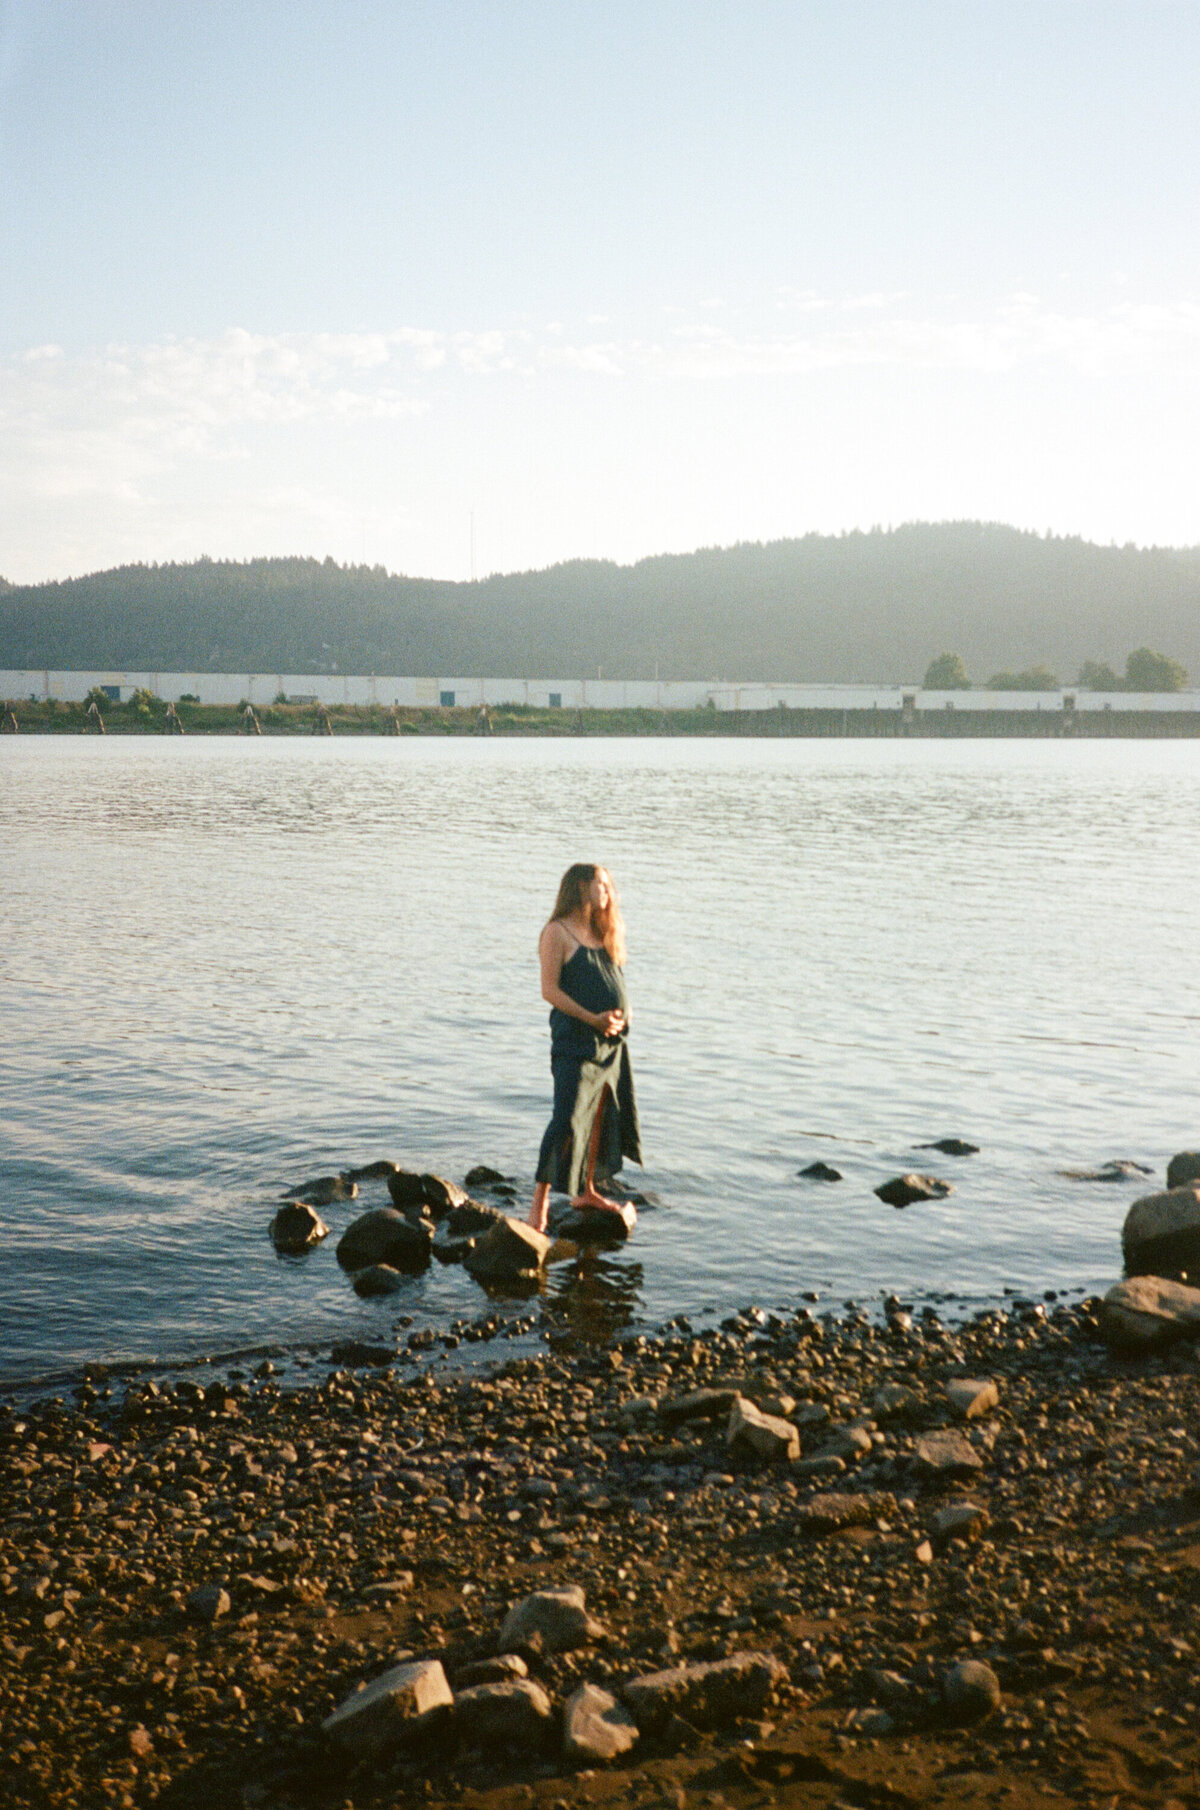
{"x": 481, "y": 285}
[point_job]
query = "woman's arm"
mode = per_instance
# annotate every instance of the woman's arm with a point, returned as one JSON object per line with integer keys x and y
{"x": 552, "y": 948}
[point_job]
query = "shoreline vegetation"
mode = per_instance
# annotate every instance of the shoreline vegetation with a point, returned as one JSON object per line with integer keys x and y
{"x": 145, "y": 714}
{"x": 969, "y": 1578}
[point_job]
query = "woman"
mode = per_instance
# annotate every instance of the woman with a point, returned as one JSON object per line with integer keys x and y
{"x": 594, "y": 1123}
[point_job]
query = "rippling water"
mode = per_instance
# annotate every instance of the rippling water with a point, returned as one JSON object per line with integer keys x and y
{"x": 232, "y": 964}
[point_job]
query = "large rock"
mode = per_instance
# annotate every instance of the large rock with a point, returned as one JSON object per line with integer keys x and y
{"x": 471, "y": 1218}
{"x": 947, "y": 1454}
{"x": 372, "y": 1172}
{"x": 596, "y": 1728}
{"x": 1145, "y": 1312}
{"x": 1161, "y": 1234}
{"x": 971, "y": 1398}
{"x": 971, "y": 1691}
{"x": 1183, "y": 1168}
{"x": 517, "y": 1715}
{"x": 830, "y": 1512}
{"x": 433, "y": 1192}
{"x": 511, "y": 1250}
{"x": 383, "y": 1236}
{"x": 390, "y": 1711}
{"x": 952, "y": 1147}
{"x": 766, "y": 1435}
{"x": 378, "y": 1279}
{"x": 706, "y": 1695}
{"x": 594, "y": 1225}
{"x": 297, "y": 1227}
{"x": 549, "y": 1621}
{"x": 903, "y": 1190}
{"x": 323, "y": 1190}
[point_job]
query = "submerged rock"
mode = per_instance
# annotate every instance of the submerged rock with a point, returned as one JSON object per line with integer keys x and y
{"x": 1119, "y": 1169}
{"x": 323, "y": 1190}
{"x": 482, "y": 1177}
{"x": 903, "y": 1190}
{"x": 357, "y": 1352}
{"x": 297, "y": 1227}
{"x": 432, "y": 1192}
{"x": 384, "y": 1236}
{"x": 821, "y": 1172}
{"x": 377, "y": 1279}
{"x": 373, "y": 1172}
{"x": 951, "y": 1147}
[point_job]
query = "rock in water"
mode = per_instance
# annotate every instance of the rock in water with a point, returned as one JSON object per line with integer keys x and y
{"x": 550, "y": 1621}
{"x": 373, "y": 1172}
{"x": 1119, "y": 1169}
{"x": 377, "y": 1279}
{"x": 323, "y": 1190}
{"x": 383, "y": 1236}
{"x": 391, "y": 1710}
{"x": 952, "y": 1147}
{"x": 821, "y": 1172}
{"x": 706, "y": 1695}
{"x": 1148, "y": 1311}
{"x": 431, "y": 1191}
{"x": 482, "y": 1177}
{"x": 511, "y": 1250}
{"x": 1161, "y": 1234}
{"x": 903, "y": 1190}
{"x": 297, "y": 1227}
{"x": 1183, "y": 1168}
{"x": 971, "y": 1691}
{"x": 596, "y": 1728}
{"x": 594, "y": 1225}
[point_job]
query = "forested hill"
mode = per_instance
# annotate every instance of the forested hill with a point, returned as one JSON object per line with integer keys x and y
{"x": 863, "y": 606}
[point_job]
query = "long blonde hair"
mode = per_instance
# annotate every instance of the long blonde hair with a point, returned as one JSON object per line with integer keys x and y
{"x": 573, "y": 901}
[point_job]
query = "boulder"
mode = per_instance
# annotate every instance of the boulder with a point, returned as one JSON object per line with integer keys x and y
{"x": 502, "y": 1668}
{"x": 391, "y": 1710}
{"x": 821, "y": 1172}
{"x": 593, "y": 1225}
{"x": 377, "y": 1279}
{"x": 763, "y": 1434}
{"x": 431, "y": 1191}
{"x": 1145, "y": 1312}
{"x": 903, "y": 1190}
{"x": 596, "y": 1728}
{"x": 297, "y": 1227}
{"x": 372, "y": 1172}
{"x": 706, "y": 1695}
{"x": 471, "y": 1218}
{"x": 323, "y": 1190}
{"x": 971, "y": 1399}
{"x": 509, "y": 1251}
{"x": 482, "y": 1177}
{"x": 383, "y": 1236}
{"x": 358, "y": 1353}
{"x": 951, "y": 1147}
{"x": 971, "y": 1691}
{"x": 517, "y": 1714}
{"x": 449, "y": 1248}
{"x": 1161, "y": 1234}
{"x": 1183, "y": 1168}
{"x": 947, "y": 1454}
{"x": 549, "y": 1621}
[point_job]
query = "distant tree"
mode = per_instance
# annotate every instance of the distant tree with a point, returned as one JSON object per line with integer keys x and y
{"x": 1034, "y": 678}
{"x": 946, "y": 673}
{"x": 1148, "y": 671}
{"x": 1098, "y": 675}
{"x": 99, "y": 697}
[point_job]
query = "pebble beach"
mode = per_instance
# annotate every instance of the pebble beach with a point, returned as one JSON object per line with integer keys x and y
{"x": 966, "y": 1572}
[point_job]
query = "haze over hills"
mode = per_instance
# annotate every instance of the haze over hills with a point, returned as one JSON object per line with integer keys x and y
{"x": 864, "y": 606}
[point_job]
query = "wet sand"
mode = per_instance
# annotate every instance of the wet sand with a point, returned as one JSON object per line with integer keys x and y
{"x": 380, "y": 1514}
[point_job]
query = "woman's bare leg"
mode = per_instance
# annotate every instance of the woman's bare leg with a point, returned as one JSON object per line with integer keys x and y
{"x": 540, "y": 1208}
{"x": 591, "y": 1196}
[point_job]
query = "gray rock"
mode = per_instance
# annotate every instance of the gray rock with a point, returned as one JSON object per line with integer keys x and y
{"x": 894, "y": 1401}
{"x": 391, "y": 1710}
{"x": 550, "y": 1621}
{"x": 1117, "y": 1170}
{"x": 510, "y": 1250}
{"x": 971, "y": 1691}
{"x": 821, "y": 1172}
{"x": 850, "y": 1444}
{"x": 971, "y": 1399}
{"x": 297, "y": 1227}
{"x": 951, "y": 1147}
{"x": 517, "y": 1714}
{"x": 358, "y": 1352}
{"x": 433, "y": 1192}
{"x": 870, "y": 1722}
{"x": 482, "y": 1177}
{"x": 596, "y": 1728}
{"x": 959, "y": 1521}
{"x": 1148, "y": 1311}
{"x": 763, "y": 1434}
{"x": 698, "y": 1404}
{"x": 372, "y": 1172}
{"x": 903, "y": 1190}
{"x": 502, "y": 1668}
{"x": 471, "y": 1218}
{"x": 832, "y": 1511}
{"x": 378, "y": 1279}
{"x": 383, "y": 1236}
{"x": 947, "y": 1454}
{"x": 823, "y": 1467}
{"x": 705, "y": 1695}
{"x": 323, "y": 1190}
{"x": 589, "y": 1225}
{"x": 1183, "y": 1168}
{"x": 448, "y": 1247}
{"x": 208, "y": 1602}
{"x": 1161, "y": 1234}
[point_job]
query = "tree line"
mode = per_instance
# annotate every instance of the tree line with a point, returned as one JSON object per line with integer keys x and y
{"x": 863, "y": 606}
{"x": 1145, "y": 670}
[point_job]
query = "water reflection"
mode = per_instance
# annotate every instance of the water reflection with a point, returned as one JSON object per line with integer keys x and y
{"x": 594, "y": 1297}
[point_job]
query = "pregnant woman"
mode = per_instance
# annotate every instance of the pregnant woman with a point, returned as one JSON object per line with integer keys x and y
{"x": 594, "y": 1124}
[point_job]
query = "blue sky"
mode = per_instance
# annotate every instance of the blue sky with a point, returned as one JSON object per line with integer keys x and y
{"x": 603, "y": 279}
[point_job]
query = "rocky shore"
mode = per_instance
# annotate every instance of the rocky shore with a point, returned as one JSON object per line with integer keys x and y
{"x": 796, "y": 1560}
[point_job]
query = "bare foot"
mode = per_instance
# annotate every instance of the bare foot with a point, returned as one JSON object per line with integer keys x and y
{"x": 598, "y": 1202}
